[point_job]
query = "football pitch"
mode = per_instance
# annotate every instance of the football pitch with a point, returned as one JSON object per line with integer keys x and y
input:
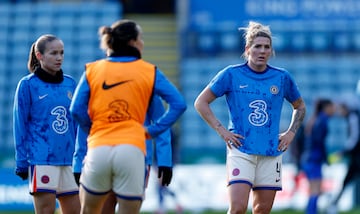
{"x": 355, "y": 211}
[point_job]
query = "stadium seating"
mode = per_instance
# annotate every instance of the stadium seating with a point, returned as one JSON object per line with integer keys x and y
{"x": 22, "y": 23}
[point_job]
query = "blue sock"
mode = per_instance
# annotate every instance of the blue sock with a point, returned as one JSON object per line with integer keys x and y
{"x": 312, "y": 204}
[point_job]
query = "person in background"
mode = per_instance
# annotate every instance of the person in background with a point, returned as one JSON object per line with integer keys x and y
{"x": 163, "y": 152}
{"x": 255, "y": 92}
{"x": 296, "y": 151}
{"x": 44, "y": 131}
{"x": 315, "y": 154}
{"x": 351, "y": 151}
{"x": 110, "y": 104}
{"x": 162, "y": 190}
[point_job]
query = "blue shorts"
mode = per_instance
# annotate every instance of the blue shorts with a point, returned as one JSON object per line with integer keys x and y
{"x": 313, "y": 170}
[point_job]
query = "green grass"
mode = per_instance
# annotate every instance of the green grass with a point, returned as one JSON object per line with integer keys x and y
{"x": 204, "y": 212}
{"x": 357, "y": 211}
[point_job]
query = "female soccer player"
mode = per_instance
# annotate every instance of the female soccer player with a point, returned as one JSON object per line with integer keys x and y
{"x": 110, "y": 103}
{"x": 44, "y": 131}
{"x": 254, "y": 93}
{"x": 315, "y": 154}
{"x": 163, "y": 152}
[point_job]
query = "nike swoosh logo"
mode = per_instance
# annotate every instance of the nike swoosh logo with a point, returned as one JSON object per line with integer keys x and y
{"x": 42, "y": 96}
{"x": 106, "y": 86}
{"x": 243, "y": 86}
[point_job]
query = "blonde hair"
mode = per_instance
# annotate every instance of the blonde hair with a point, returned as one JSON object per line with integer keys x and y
{"x": 254, "y": 30}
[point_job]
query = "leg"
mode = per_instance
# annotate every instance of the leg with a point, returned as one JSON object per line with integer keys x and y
{"x": 91, "y": 203}
{"x": 239, "y": 198}
{"x": 110, "y": 204}
{"x": 315, "y": 191}
{"x": 263, "y": 201}
{"x": 160, "y": 198}
{"x": 349, "y": 177}
{"x": 129, "y": 206}
{"x": 267, "y": 182}
{"x": 128, "y": 178}
{"x": 44, "y": 203}
{"x": 70, "y": 204}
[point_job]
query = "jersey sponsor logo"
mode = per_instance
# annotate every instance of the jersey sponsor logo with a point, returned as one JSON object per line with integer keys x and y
{"x": 106, "y": 86}
{"x": 61, "y": 124}
{"x": 259, "y": 115}
{"x": 42, "y": 96}
{"x": 274, "y": 89}
{"x": 119, "y": 110}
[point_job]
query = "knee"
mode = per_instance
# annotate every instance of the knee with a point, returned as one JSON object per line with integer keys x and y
{"x": 263, "y": 208}
{"x": 237, "y": 209}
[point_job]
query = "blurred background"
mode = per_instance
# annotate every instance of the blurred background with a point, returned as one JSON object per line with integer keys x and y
{"x": 317, "y": 41}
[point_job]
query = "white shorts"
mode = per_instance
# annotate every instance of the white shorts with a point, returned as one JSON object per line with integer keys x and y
{"x": 52, "y": 179}
{"x": 119, "y": 168}
{"x": 260, "y": 172}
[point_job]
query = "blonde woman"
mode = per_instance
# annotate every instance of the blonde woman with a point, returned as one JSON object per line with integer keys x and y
{"x": 254, "y": 92}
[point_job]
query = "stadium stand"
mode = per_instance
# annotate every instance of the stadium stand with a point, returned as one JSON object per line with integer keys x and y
{"x": 76, "y": 23}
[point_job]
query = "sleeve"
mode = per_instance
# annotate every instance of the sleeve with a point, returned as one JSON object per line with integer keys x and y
{"x": 149, "y": 152}
{"x": 221, "y": 83}
{"x": 176, "y": 102}
{"x": 79, "y": 104}
{"x": 21, "y": 108}
{"x": 292, "y": 92}
{"x": 80, "y": 150}
{"x": 163, "y": 148}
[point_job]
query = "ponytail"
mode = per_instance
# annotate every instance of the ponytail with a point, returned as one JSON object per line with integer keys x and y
{"x": 33, "y": 62}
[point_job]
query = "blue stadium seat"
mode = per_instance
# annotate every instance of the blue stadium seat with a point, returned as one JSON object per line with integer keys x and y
{"x": 21, "y": 23}
{"x": 356, "y": 41}
{"x": 25, "y": 8}
{"x": 320, "y": 41}
{"x": 229, "y": 39}
{"x": 280, "y": 42}
{"x": 207, "y": 42}
{"x": 342, "y": 42}
{"x": 298, "y": 42}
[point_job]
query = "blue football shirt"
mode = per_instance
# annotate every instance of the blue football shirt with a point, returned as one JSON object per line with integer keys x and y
{"x": 44, "y": 131}
{"x": 255, "y": 102}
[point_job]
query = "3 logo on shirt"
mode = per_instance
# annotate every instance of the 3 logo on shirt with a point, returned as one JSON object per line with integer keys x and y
{"x": 259, "y": 115}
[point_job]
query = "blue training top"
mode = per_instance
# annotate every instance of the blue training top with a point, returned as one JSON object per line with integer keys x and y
{"x": 44, "y": 131}
{"x": 255, "y": 102}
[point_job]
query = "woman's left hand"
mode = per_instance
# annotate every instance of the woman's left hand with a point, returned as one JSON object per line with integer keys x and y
{"x": 285, "y": 139}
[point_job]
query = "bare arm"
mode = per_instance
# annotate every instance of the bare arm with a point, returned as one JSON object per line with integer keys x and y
{"x": 202, "y": 105}
{"x": 298, "y": 115}
{"x": 297, "y": 118}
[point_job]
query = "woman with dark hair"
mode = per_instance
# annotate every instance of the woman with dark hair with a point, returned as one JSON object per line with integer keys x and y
{"x": 349, "y": 109}
{"x": 44, "y": 131}
{"x": 315, "y": 154}
{"x": 110, "y": 104}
